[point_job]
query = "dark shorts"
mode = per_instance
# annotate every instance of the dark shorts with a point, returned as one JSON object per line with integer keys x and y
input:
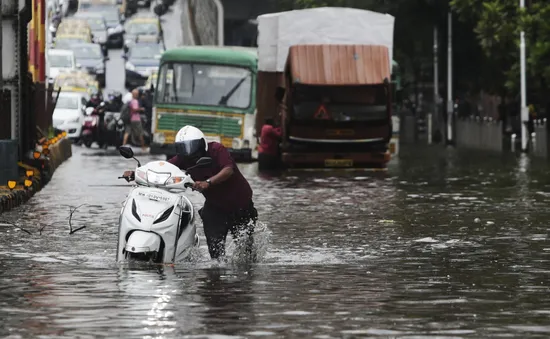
{"x": 218, "y": 223}
{"x": 267, "y": 162}
{"x": 135, "y": 128}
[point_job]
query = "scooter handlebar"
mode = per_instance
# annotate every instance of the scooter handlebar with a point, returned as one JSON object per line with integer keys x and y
{"x": 128, "y": 179}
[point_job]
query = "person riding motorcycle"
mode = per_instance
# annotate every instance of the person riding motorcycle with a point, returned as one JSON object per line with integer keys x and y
{"x": 114, "y": 101}
{"x": 100, "y": 111}
{"x": 95, "y": 100}
{"x": 228, "y": 206}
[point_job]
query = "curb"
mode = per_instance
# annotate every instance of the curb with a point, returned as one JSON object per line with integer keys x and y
{"x": 42, "y": 169}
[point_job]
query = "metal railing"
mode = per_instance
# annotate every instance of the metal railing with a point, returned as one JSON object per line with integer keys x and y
{"x": 479, "y": 133}
{"x": 539, "y": 139}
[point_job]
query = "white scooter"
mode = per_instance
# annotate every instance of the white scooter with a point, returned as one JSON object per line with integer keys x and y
{"x": 156, "y": 223}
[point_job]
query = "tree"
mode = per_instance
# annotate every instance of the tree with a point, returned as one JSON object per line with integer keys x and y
{"x": 497, "y": 24}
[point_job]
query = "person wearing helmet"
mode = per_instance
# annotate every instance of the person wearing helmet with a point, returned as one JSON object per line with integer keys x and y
{"x": 94, "y": 101}
{"x": 228, "y": 205}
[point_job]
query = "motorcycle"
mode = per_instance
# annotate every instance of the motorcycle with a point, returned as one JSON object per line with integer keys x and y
{"x": 90, "y": 127}
{"x": 113, "y": 130}
{"x": 157, "y": 222}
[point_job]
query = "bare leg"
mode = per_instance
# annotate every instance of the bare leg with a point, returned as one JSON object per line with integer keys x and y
{"x": 142, "y": 142}
{"x": 126, "y": 135}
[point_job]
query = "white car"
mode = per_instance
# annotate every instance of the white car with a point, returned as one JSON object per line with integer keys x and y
{"x": 60, "y": 61}
{"x": 68, "y": 115}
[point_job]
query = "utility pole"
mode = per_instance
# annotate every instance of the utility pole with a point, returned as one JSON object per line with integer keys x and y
{"x": 1, "y": 58}
{"x": 436, "y": 79}
{"x": 450, "y": 80}
{"x": 524, "y": 109}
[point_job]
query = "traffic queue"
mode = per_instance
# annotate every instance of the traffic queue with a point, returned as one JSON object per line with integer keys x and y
{"x": 81, "y": 35}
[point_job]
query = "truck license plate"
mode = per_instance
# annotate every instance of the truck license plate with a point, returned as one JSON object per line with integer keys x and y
{"x": 338, "y": 162}
{"x": 340, "y": 132}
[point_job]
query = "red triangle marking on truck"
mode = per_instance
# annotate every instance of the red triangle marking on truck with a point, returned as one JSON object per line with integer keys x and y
{"x": 321, "y": 113}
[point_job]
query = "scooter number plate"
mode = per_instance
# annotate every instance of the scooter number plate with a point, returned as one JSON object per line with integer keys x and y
{"x": 155, "y": 197}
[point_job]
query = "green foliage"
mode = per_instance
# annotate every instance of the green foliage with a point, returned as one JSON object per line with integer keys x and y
{"x": 485, "y": 40}
{"x": 498, "y": 23}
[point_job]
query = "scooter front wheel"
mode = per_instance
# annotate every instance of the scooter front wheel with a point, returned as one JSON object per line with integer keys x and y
{"x": 143, "y": 257}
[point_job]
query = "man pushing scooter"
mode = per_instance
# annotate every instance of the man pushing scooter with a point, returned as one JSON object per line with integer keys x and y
{"x": 228, "y": 206}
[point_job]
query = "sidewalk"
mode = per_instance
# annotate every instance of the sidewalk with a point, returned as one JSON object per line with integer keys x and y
{"x": 36, "y": 173}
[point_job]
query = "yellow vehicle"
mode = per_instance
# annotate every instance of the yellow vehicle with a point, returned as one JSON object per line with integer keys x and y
{"x": 74, "y": 27}
{"x": 66, "y": 40}
{"x": 76, "y": 82}
{"x": 146, "y": 27}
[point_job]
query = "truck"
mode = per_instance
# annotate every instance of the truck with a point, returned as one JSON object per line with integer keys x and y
{"x": 326, "y": 72}
{"x": 212, "y": 88}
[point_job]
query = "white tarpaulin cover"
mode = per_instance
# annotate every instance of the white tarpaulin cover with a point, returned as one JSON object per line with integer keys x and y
{"x": 324, "y": 25}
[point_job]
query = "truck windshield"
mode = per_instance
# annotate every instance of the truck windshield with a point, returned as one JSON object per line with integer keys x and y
{"x": 343, "y": 103}
{"x": 203, "y": 84}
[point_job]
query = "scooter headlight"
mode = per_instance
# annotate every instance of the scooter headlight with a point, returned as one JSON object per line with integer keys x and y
{"x": 174, "y": 180}
{"x": 157, "y": 178}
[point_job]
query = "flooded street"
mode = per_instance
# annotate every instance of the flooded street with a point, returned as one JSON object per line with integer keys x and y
{"x": 443, "y": 245}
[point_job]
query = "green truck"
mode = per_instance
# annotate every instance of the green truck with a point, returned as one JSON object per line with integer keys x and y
{"x": 212, "y": 88}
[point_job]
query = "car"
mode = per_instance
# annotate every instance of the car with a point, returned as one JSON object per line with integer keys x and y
{"x": 91, "y": 57}
{"x": 74, "y": 25}
{"x": 77, "y": 81}
{"x": 97, "y": 24}
{"x": 60, "y": 61}
{"x": 145, "y": 25}
{"x": 65, "y": 41}
{"x": 113, "y": 31}
{"x": 128, "y": 7}
{"x": 142, "y": 60}
{"x": 68, "y": 114}
{"x": 107, "y": 9}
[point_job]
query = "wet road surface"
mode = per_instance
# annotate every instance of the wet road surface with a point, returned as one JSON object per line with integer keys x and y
{"x": 443, "y": 245}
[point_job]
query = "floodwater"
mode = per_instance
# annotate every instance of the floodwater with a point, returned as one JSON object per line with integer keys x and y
{"x": 444, "y": 245}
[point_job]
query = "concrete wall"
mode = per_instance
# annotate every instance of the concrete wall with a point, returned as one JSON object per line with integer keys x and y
{"x": 480, "y": 134}
{"x": 186, "y": 28}
{"x": 204, "y": 21}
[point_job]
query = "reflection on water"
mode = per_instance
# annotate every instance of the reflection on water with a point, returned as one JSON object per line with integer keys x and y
{"x": 445, "y": 244}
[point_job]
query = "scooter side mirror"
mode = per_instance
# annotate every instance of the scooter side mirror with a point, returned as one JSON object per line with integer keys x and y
{"x": 126, "y": 152}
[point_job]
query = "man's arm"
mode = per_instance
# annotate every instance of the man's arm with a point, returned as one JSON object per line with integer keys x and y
{"x": 224, "y": 160}
{"x": 277, "y": 132}
{"x": 174, "y": 161}
{"x": 222, "y": 176}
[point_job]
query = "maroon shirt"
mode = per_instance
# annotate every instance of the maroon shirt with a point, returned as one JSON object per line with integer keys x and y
{"x": 234, "y": 193}
{"x": 269, "y": 140}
